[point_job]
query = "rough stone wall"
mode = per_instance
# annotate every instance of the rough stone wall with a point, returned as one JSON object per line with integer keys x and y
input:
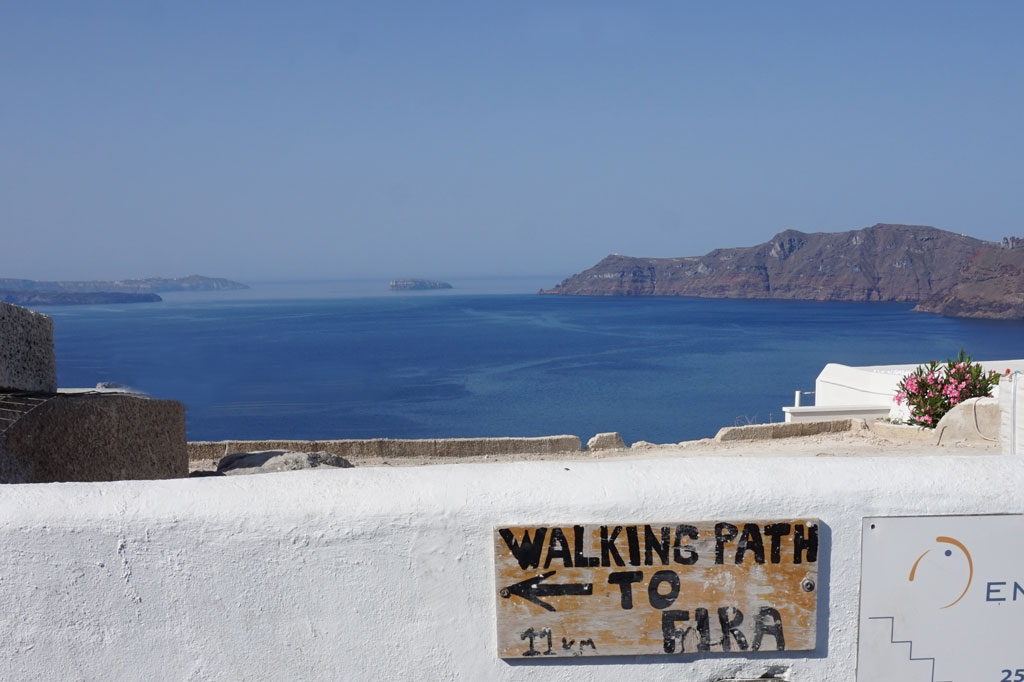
{"x": 88, "y": 437}
{"x": 27, "y": 360}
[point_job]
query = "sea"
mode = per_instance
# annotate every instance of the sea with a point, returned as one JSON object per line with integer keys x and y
{"x": 490, "y": 357}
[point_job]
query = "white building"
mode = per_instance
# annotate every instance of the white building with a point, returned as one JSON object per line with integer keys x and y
{"x": 841, "y": 391}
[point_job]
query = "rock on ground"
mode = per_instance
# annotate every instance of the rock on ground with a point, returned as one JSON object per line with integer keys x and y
{"x": 279, "y": 460}
{"x": 975, "y": 419}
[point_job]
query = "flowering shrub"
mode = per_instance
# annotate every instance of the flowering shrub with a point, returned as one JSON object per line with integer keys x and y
{"x": 932, "y": 390}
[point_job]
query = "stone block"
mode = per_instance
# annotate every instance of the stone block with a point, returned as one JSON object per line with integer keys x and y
{"x": 901, "y": 432}
{"x": 975, "y": 420}
{"x": 27, "y": 360}
{"x": 89, "y": 437}
{"x": 786, "y": 430}
{"x": 606, "y": 441}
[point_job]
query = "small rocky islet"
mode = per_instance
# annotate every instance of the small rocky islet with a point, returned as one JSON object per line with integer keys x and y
{"x": 417, "y": 285}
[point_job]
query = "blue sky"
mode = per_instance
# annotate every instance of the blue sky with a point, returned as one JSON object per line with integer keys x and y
{"x": 344, "y": 140}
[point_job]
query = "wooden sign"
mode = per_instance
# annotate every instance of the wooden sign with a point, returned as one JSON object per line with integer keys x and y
{"x": 659, "y": 588}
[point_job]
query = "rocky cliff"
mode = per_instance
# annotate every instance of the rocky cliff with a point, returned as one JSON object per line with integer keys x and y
{"x": 879, "y": 263}
{"x": 955, "y": 274}
{"x": 991, "y": 285}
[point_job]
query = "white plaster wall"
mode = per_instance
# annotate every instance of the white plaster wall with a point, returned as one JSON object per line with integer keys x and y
{"x": 387, "y": 574}
{"x": 844, "y": 385}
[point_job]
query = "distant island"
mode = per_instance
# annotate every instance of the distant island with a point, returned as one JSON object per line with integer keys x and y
{"x": 128, "y": 286}
{"x": 942, "y": 272}
{"x": 417, "y": 284}
{"x": 32, "y": 292}
{"x": 34, "y": 298}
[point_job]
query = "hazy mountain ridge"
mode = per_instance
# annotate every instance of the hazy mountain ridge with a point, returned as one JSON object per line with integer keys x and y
{"x": 128, "y": 286}
{"x": 908, "y": 263}
{"x": 37, "y": 298}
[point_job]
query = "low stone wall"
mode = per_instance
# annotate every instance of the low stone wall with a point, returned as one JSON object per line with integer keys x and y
{"x": 786, "y": 429}
{"x": 89, "y": 437}
{"x": 27, "y": 360}
{"x": 393, "y": 448}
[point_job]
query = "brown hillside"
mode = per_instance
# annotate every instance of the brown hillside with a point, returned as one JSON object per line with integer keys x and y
{"x": 991, "y": 285}
{"x": 878, "y": 263}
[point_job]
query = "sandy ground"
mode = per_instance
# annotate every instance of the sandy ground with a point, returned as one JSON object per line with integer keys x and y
{"x": 862, "y": 442}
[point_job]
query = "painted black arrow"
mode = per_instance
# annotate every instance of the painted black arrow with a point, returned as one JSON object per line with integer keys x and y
{"x": 531, "y": 589}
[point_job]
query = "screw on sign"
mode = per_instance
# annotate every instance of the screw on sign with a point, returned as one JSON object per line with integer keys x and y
{"x": 656, "y": 588}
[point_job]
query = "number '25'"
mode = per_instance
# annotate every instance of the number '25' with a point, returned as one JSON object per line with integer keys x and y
{"x": 1018, "y": 675}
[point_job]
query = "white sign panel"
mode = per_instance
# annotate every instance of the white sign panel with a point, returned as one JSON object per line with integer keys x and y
{"x": 942, "y": 599}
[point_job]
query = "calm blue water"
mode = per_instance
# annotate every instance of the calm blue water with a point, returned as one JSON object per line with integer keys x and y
{"x": 335, "y": 360}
